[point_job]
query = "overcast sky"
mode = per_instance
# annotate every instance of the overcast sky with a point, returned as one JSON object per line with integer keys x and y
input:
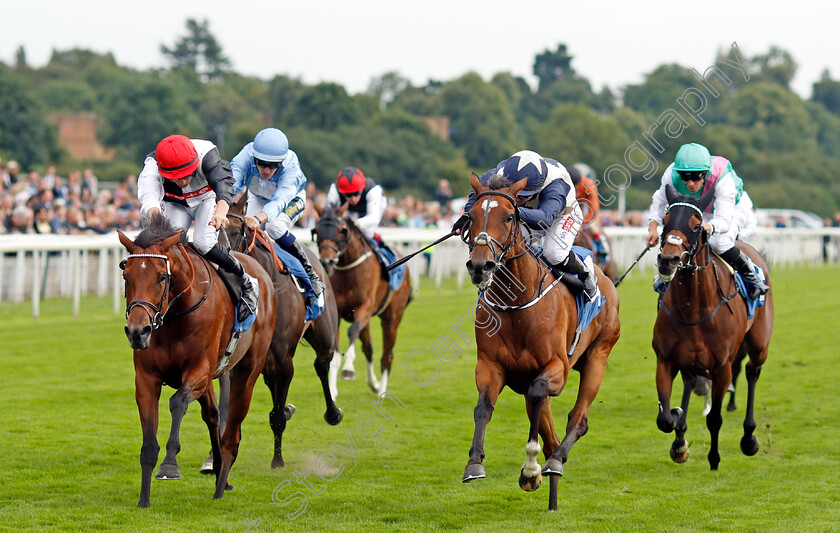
{"x": 349, "y": 42}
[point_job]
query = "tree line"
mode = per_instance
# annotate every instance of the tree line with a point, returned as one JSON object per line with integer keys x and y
{"x": 786, "y": 148}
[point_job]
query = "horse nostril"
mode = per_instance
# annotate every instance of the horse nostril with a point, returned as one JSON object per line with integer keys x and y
{"x": 489, "y": 266}
{"x": 146, "y": 331}
{"x": 127, "y": 334}
{"x": 469, "y": 265}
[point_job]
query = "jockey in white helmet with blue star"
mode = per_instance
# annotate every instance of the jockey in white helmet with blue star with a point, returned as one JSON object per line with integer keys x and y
{"x": 547, "y": 205}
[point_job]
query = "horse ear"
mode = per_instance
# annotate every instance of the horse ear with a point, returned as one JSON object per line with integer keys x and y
{"x": 128, "y": 243}
{"x": 171, "y": 241}
{"x": 518, "y": 186}
{"x": 475, "y": 182}
{"x": 671, "y": 194}
{"x": 239, "y": 205}
{"x": 706, "y": 199}
{"x": 342, "y": 209}
{"x": 318, "y": 209}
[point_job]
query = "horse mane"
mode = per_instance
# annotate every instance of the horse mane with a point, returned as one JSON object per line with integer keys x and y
{"x": 157, "y": 230}
{"x": 498, "y": 181}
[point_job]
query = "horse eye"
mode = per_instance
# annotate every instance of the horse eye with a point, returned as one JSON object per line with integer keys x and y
{"x": 509, "y": 218}
{"x": 162, "y": 279}
{"x": 122, "y": 264}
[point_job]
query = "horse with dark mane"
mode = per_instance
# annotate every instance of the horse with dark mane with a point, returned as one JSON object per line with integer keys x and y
{"x": 179, "y": 319}
{"x": 290, "y": 327}
{"x": 703, "y": 326}
{"x": 535, "y": 340}
{"x": 362, "y": 291}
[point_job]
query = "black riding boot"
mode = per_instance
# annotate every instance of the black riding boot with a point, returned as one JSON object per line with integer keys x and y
{"x": 575, "y": 266}
{"x": 736, "y": 258}
{"x": 296, "y": 249}
{"x": 231, "y": 266}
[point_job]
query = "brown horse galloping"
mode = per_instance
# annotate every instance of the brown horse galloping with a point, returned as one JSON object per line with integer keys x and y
{"x": 702, "y": 325}
{"x": 179, "y": 319}
{"x": 530, "y": 352}
{"x": 361, "y": 290}
{"x": 289, "y": 328}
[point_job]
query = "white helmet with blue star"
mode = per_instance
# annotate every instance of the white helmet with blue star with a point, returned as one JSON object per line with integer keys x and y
{"x": 525, "y": 164}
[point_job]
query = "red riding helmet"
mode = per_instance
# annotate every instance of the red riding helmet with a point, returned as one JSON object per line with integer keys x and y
{"x": 176, "y": 157}
{"x": 350, "y": 180}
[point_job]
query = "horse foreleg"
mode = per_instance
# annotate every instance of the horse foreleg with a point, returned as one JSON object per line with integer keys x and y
{"x": 178, "y": 404}
{"x": 210, "y": 415}
{"x": 721, "y": 379}
{"x": 749, "y": 443}
{"x": 333, "y": 415}
{"x": 224, "y": 396}
{"x": 335, "y": 366}
{"x": 679, "y": 448}
{"x": 367, "y": 349}
{"x": 667, "y": 418}
{"x": 147, "y": 395}
{"x": 550, "y": 382}
{"x": 243, "y": 377}
{"x": 736, "y": 370}
{"x": 390, "y": 322}
{"x": 360, "y": 322}
{"x": 489, "y": 381}
{"x": 278, "y": 374}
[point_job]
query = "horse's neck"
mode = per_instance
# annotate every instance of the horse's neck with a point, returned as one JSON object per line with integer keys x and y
{"x": 356, "y": 247}
{"x": 517, "y": 280}
{"x": 186, "y": 271}
{"x": 696, "y": 290}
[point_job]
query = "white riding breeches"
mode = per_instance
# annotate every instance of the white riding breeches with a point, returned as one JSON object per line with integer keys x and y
{"x": 180, "y": 217}
{"x": 280, "y": 225}
{"x": 561, "y": 235}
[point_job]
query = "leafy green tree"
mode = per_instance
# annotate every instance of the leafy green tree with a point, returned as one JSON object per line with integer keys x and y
{"x": 67, "y": 96}
{"x": 660, "y": 90}
{"x": 198, "y": 51}
{"x": 481, "y": 120}
{"x": 827, "y": 92}
{"x": 387, "y": 87}
{"x": 25, "y": 133}
{"x": 550, "y": 67}
{"x": 776, "y": 66}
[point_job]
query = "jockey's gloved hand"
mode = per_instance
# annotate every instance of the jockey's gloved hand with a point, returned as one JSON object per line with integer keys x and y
{"x": 459, "y": 224}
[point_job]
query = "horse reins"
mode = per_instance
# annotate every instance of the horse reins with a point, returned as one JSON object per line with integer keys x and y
{"x": 157, "y": 318}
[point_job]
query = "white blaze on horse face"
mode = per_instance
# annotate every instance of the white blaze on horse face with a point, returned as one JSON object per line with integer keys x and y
{"x": 489, "y": 204}
{"x": 143, "y": 265}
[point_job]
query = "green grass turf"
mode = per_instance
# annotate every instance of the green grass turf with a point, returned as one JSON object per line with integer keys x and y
{"x": 71, "y": 436}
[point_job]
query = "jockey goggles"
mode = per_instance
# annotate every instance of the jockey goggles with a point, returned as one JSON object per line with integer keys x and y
{"x": 266, "y": 164}
{"x": 693, "y": 175}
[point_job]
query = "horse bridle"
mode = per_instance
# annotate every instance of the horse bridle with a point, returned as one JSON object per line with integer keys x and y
{"x": 498, "y": 249}
{"x": 341, "y": 227}
{"x": 241, "y": 239}
{"x": 157, "y": 313}
{"x": 690, "y": 249}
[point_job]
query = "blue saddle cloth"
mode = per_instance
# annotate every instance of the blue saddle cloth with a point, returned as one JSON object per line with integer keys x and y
{"x": 386, "y": 257}
{"x": 752, "y": 305}
{"x": 294, "y": 266}
{"x": 242, "y": 327}
{"x": 586, "y": 309}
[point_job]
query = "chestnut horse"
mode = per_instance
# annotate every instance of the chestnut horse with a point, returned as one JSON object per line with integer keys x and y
{"x": 361, "y": 288}
{"x": 584, "y": 239}
{"x": 534, "y": 346}
{"x": 179, "y": 318}
{"x": 702, "y": 326}
{"x": 289, "y": 328}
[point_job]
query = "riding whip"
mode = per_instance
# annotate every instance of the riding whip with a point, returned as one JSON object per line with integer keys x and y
{"x": 648, "y": 247}
{"x": 399, "y": 262}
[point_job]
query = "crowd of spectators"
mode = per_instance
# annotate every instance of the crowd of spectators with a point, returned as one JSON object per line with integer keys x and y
{"x": 75, "y": 205}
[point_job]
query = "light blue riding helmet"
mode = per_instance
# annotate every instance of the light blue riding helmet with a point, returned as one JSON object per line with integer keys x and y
{"x": 271, "y": 145}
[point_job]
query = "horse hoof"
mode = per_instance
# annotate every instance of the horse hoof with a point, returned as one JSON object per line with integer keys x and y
{"x": 749, "y": 445}
{"x": 207, "y": 466}
{"x": 334, "y": 417}
{"x": 680, "y": 454}
{"x": 289, "y": 410}
{"x": 529, "y": 484}
{"x": 348, "y": 375}
{"x": 731, "y": 407}
{"x": 374, "y": 387}
{"x": 277, "y": 462}
{"x": 168, "y": 472}
{"x": 474, "y": 472}
{"x": 553, "y": 467}
{"x": 228, "y": 486}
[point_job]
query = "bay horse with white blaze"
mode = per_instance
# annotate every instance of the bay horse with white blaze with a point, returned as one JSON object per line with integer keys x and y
{"x": 702, "y": 325}
{"x": 179, "y": 318}
{"x": 362, "y": 291}
{"x": 534, "y": 347}
{"x": 289, "y": 328}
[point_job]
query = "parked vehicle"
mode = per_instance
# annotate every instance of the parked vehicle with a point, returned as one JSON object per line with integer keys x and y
{"x": 788, "y": 218}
